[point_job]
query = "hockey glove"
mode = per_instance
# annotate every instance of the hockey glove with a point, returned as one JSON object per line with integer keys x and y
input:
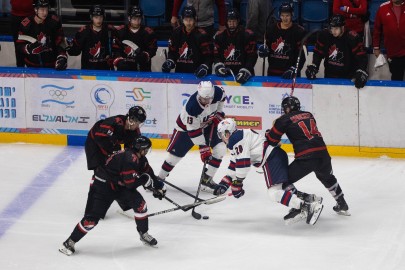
{"x": 159, "y": 189}
{"x": 311, "y": 71}
{"x": 201, "y": 71}
{"x": 217, "y": 117}
{"x": 289, "y": 73}
{"x": 237, "y": 188}
{"x": 143, "y": 57}
{"x": 263, "y": 51}
{"x": 220, "y": 70}
{"x": 61, "y": 62}
{"x": 360, "y": 79}
{"x": 243, "y": 76}
{"x": 118, "y": 62}
{"x": 168, "y": 65}
{"x": 35, "y": 48}
{"x": 205, "y": 153}
{"x": 223, "y": 186}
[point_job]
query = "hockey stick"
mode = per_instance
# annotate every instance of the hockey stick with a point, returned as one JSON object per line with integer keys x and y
{"x": 31, "y": 40}
{"x": 264, "y": 37}
{"x": 185, "y": 208}
{"x": 303, "y": 41}
{"x": 194, "y": 213}
{"x": 180, "y": 189}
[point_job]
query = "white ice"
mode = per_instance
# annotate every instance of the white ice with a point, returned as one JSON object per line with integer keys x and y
{"x": 246, "y": 233}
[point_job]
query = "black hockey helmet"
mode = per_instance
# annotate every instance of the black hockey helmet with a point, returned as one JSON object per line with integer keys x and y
{"x": 189, "y": 12}
{"x": 286, "y": 7}
{"x": 292, "y": 103}
{"x": 135, "y": 11}
{"x": 337, "y": 21}
{"x": 233, "y": 14}
{"x": 137, "y": 113}
{"x": 40, "y": 3}
{"x": 142, "y": 143}
{"x": 97, "y": 10}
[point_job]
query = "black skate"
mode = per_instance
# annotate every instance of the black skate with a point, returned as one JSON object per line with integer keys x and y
{"x": 313, "y": 211}
{"x": 309, "y": 197}
{"x": 341, "y": 207}
{"x": 68, "y": 247}
{"x": 207, "y": 184}
{"x": 147, "y": 239}
{"x": 294, "y": 216}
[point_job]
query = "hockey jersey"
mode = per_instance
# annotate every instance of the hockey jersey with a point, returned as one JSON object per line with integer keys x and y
{"x": 236, "y": 49}
{"x": 247, "y": 148}
{"x": 194, "y": 117}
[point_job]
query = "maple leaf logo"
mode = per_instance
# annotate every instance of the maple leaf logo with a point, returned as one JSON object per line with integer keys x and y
{"x": 229, "y": 53}
{"x": 129, "y": 51}
{"x": 95, "y": 51}
{"x": 278, "y": 45}
{"x": 42, "y": 38}
{"x": 183, "y": 50}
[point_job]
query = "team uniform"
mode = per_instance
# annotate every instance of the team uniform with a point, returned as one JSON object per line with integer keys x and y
{"x": 137, "y": 58}
{"x": 98, "y": 49}
{"x": 49, "y": 38}
{"x": 118, "y": 180}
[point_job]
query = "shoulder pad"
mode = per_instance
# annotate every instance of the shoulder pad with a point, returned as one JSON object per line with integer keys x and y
{"x": 26, "y": 22}
{"x": 192, "y": 106}
{"x": 219, "y": 93}
{"x": 236, "y": 137}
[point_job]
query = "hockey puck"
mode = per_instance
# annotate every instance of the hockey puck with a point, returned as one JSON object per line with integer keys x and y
{"x": 206, "y": 217}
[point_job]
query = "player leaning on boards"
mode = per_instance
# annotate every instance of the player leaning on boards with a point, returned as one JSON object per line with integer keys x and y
{"x": 202, "y": 111}
{"x": 311, "y": 154}
{"x": 118, "y": 180}
{"x": 251, "y": 148}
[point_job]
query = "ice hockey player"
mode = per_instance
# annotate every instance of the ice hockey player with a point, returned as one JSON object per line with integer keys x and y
{"x": 311, "y": 154}
{"x": 97, "y": 42}
{"x": 249, "y": 148}
{"x": 283, "y": 42}
{"x": 48, "y": 40}
{"x": 189, "y": 47}
{"x": 343, "y": 51}
{"x": 139, "y": 43}
{"x": 235, "y": 49}
{"x": 201, "y": 113}
{"x": 118, "y": 180}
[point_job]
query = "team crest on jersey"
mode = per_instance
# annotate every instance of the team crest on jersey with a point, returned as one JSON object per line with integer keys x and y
{"x": 334, "y": 54}
{"x": 185, "y": 52}
{"x": 96, "y": 50}
{"x": 130, "y": 52}
{"x": 279, "y": 47}
{"x": 231, "y": 54}
{"x": 41, "y": 38}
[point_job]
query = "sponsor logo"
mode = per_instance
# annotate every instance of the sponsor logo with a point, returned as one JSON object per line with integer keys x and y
{"x": 102, "y": 97}
{"x": 247, "y": 122}
{"x": 60, "y": 118}
{"x": 238, "y": 102}
{"x": 150, "y": 122}
{"x": 137, "y": 94}
{"x": 8, "y": 104}
{"x": 57, "y": 95}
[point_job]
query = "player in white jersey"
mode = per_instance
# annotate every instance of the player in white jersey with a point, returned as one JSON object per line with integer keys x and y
{"x": 251, "y": 148}
{"x": 201, "y": 114}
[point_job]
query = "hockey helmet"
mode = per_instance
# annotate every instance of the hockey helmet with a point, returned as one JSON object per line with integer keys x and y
{"x": 337, "y": 21}
{"x": 292, "y": 103}
{"x": 233, "y": 14}
{"x": 228, "y": 125}
{"x": 137, "y": 113}
{"x": 206, "y": 90}
{"x": 142, "y": 143}
{"x": 286, "y": 7}
{"x": 135, "y": 11}
{"x": 97, "y": 10}
{"x": 189, "y": 12}
{"x": 40, "y": 3}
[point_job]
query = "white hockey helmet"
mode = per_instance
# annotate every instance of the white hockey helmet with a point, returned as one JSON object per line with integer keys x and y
{"x": 228, "y": 125}
{"x": 206, "y": 89}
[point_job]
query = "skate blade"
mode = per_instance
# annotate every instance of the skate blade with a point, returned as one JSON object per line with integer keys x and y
{"x": 65, "y": 251}
{"x": 207, "y": 190}
{"x": 344, "y": 213}
{"x": 149, "y": 245}
{"x": 294, "y": 220}
{"x": 317, "y": 212}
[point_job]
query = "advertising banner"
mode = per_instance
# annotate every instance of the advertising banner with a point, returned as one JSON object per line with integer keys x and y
{"x": 12, "y": 103}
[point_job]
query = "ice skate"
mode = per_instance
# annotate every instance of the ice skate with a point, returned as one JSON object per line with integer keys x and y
{"x": 295, "y": 216}
{"x": 309, "y": 197}
{"x": 68, "y": 247}
{"x": 341, "y": 207}
{"x": 313, "y": 210}
{"x": 207, "y": 184}
{"x": 147, "y": 239}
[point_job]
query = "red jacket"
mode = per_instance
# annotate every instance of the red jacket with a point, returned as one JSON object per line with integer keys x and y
{"x": 394, "y": 33}
{"x": 22, "y": 8}
{"x": 352, "y": 14}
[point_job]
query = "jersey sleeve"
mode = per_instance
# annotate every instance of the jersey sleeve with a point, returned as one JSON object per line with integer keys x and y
{"x": 320, "y": 50}
{"x": 78, "y": 42}
{"x": 104, "y": 135}
{"x": 358, "y": 51}
{"x": 278, "y": 129}
{"x": 240, "y": 150}
{"x": 250, "y": 50}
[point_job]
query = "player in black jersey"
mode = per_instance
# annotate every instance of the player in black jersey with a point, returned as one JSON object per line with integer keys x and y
{"x": 98, "y": 42}
{"x": 283, "y": 42}
{"x": 343, "y": 51}
{"x": 139, "y": 43}
{"x": 311, "y": 154}
{"x": 189, "y": 47}
{"x": 235, "y": 49}
{"x": 41, "y": 39}
{"x": 118, "y": 180}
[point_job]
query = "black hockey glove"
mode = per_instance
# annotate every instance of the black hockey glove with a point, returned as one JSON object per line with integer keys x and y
{"x": 61, "y": 62}
{"x": 311, "y": 71}
{"x": 360, "y": 79}
{"x": 289, "y": 73}
{"x": 168, "y": 65}
{"x": 263, "y": 51}
{"x": 201, "y": 71}
{"x": 223, "y": 186}
{"x": 237, "y": 188}
{"x": 220, "y": 70}
{"x": 243, "y": 76}
{"x": 142, "y": 57}
{"x": 159, "y": 189}
{"x": 35, "y": 48}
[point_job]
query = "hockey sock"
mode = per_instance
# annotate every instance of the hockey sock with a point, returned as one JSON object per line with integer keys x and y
{"x": 82, "y": 228}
